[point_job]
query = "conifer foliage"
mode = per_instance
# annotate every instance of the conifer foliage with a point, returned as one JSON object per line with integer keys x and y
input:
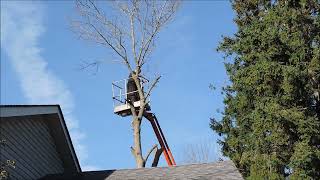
{"x": 270, "y": 127}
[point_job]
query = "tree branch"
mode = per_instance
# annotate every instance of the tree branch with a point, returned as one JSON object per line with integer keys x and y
{"x": 133, "y": 38}
{"x": 151, "y": 87}
{"x": 122, "y": 56}
{"x": 150, "y": 151}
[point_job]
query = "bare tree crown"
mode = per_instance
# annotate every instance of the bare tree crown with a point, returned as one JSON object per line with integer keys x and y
{"x": 129, "y": 29}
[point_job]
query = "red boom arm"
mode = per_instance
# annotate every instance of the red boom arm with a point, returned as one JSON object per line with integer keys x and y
{"x": 160, "y": 136}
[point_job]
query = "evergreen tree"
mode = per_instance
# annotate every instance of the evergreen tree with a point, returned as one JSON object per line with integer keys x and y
{"x": 271, "y": 123}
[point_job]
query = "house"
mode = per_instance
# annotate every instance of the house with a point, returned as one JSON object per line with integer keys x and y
{"x": 224, "y": 170}
{"x": 37, "y": 139}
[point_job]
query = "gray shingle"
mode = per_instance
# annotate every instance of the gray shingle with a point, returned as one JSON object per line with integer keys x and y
{"x": 209, "y": 171}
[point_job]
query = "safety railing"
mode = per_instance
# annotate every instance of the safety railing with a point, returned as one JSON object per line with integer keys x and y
{"x": 120, "y": 93}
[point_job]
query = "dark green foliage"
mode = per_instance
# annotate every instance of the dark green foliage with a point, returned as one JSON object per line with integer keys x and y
{"x": 271, "y": 122}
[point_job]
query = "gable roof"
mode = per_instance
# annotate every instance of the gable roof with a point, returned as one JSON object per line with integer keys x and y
{"x": 52, "y": 115}
{"x": 209, "y": 171}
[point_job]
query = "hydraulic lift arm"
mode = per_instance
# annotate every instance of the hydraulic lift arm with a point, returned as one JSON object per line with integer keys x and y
{"x": 160, "y": 136}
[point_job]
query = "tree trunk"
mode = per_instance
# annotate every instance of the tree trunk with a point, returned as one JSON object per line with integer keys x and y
{"x": 137, "y": 151}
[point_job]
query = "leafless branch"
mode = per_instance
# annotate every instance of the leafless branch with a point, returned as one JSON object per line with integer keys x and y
{"x": 150, "y": 151}
{"x": 200, "y": 152}
{"x": 85, "y": 65}
{"x": 152, "y": 86}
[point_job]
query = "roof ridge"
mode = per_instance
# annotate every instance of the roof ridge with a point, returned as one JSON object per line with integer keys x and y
{"x": 168, "y": 167}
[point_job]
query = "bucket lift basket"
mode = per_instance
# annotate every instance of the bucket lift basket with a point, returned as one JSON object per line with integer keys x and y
{"x": 120, "y": 95}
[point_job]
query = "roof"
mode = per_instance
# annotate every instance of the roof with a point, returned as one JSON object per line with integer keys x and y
{"x": 53, "y": 116}
{"x": 209, "y": 171}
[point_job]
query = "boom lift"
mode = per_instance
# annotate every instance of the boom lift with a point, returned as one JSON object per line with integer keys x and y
{"x": 120, "y": 94}
{"x": 160, "y": 136}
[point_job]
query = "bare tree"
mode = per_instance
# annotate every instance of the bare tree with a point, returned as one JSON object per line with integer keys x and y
{"x": 200, "y": 152}
{"x": 129, "y": 29}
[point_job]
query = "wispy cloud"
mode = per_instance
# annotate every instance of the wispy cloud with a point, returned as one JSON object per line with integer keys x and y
{"x": 21, "y": 28}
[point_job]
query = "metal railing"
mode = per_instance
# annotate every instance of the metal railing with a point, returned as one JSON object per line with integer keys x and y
{"x": 119, "y": 90}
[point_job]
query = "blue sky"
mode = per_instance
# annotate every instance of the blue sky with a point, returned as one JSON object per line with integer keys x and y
{"x": 40, "y": 59}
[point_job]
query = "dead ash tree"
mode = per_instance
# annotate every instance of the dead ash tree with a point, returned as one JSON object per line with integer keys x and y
{"x": 129, "y": 29}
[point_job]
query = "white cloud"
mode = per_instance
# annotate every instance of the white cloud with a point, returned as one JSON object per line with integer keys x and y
{"x": 21, "y": 28}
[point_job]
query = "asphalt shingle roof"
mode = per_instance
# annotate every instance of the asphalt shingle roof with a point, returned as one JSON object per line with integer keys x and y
{"x": 211, "y": 171}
